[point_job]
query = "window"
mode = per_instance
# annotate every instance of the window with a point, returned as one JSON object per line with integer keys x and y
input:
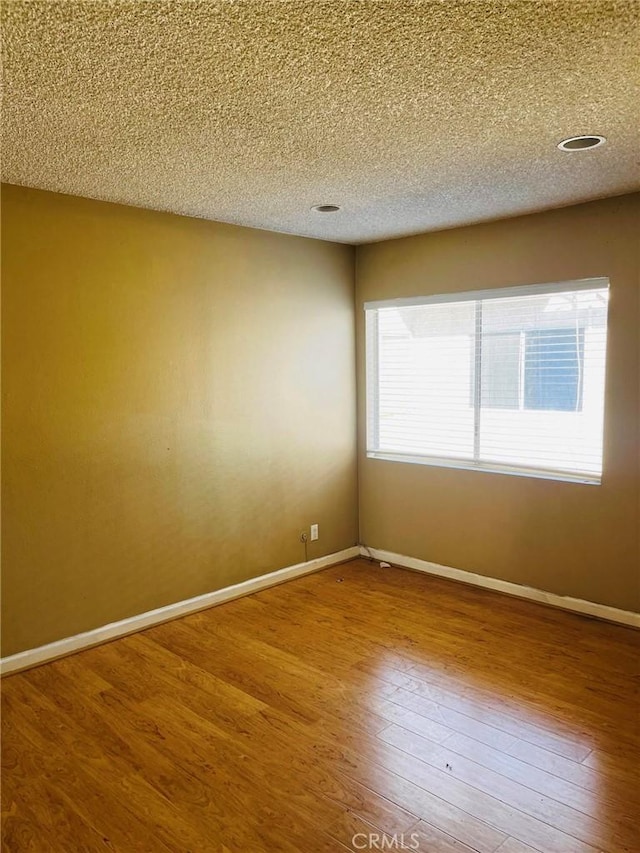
{"x": 508, "y": 380}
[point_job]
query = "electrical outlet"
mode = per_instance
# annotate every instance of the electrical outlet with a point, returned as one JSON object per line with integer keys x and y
{"x": 314, "y": 532}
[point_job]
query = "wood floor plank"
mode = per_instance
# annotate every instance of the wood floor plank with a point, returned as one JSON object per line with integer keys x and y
{"x": 448, "y": 817}
{"x": 557, "y": 814}
{"x": 109, "y": 801}
{"x": 356, "y": 700}
{"x": 466, "y": 636}
{"x": 579, "y": 773}
{"x": 512, "y": 845}
{"x": 204, "y": 758}
{"x": 545, "y": 783}
{"x": 433, "y": 840}
{"x": 566, "y": 744}
{"x": 451, "y": 720}
{"x": 473, "y": 696}
{"x": 111, "y": 792}
{"x": 331, "y": 789}
{"x": 562, "y": 634}
{"x": 485, "y": 806}
{"x": 349, "y": 829}
{"x": 55, "y": 816}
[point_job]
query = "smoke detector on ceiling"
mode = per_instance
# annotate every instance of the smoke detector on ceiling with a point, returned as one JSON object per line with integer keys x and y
{"x": 326, "y": 208}
{"x": 581, "y": 143}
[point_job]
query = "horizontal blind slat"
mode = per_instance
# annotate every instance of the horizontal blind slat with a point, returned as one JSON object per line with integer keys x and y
{"x": 540, "y": 398}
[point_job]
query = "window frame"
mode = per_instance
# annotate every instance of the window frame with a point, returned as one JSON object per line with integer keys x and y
{"x": 372, "y": 391}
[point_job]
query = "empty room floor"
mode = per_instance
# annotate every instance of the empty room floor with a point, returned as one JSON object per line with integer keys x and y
{"x": 322, "y": 713}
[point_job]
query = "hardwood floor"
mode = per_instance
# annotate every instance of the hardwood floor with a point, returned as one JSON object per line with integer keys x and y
{"x": 320, "y": 714}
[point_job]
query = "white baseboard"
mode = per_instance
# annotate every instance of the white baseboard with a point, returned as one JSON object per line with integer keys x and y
{"x": 69, "y": 645}
{"x": 577, "y": 605}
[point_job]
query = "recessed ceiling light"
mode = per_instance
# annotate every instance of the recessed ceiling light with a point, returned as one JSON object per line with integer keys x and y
{"x": 581, "y": 143}
{"x": 326, "y": 208}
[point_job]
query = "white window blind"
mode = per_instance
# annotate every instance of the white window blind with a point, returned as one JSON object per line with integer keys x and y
{"x": 508, "y": 380}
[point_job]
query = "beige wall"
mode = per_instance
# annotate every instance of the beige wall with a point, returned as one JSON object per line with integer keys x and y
{"x": 566, "y": 538}
{"x": 179, "y": 406}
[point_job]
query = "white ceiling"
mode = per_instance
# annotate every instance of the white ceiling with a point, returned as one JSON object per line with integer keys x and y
{"x": 412, "y": 116}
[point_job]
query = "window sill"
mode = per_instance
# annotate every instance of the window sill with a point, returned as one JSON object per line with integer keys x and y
{"x": 488, "y": 467}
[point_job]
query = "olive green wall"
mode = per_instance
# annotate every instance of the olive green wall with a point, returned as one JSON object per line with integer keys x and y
{"x": 566, "y": 538}
{"x": 179, "y": 405}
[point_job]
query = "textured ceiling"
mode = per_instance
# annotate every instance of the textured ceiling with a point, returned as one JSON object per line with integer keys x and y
{"x": 412, "y": 116}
